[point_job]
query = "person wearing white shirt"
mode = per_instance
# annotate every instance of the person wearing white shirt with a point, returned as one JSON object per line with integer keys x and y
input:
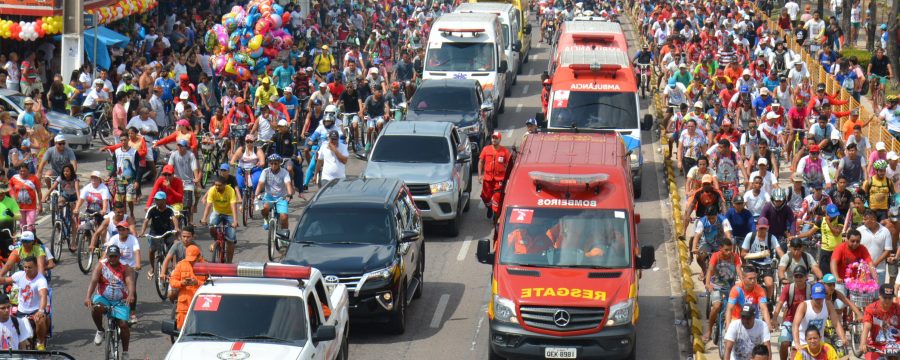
{"x": 877, "y": 240}
{"x": 742, "y": 336}
{"x": 797, "y": 73}
{"x": 130, "y": 255}
{"x": 32, "y": 299}
{"x": 333, "y": 158}
{"x": 792, "y": 9}
{"x": 13, "y": 332}
{"x": 756, "y": 198}
{"x": 770, "y": 182}
{"x": 96, "y": 95}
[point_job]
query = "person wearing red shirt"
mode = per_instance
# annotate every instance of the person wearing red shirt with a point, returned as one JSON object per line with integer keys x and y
{"x": 492, "y": 167}
{"x": 171, "y": 185}
{"x": 184, "y": 84}
{"x": 219, "y": 124}
{"x": 182, "y": 132}
{"x": 846, "y": 253}
{"x": 25, "y": 189}
{"x": 820, "y": 97}
{"x": 545, "y": 95}
{"x": 279, "y": 108}
{"x": 748, "y": 292}
{"x": 878, "y": 314}
{"x": 336, "y": 88}
{"x": 240, "y": 113}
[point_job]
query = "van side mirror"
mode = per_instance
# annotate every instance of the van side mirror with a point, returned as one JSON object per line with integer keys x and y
{"x": 483, "y": 253}
{"x": 527, "y": 29}
{"x": 648, "y": 257}
{"x": 487, "y": 106}
{"x": 503, "y": 67}
{"x": 168, "y": 328}
{"x": 463, "y": 157}
{"x": 325, "y": 333}
{"x": 541, "y": 120}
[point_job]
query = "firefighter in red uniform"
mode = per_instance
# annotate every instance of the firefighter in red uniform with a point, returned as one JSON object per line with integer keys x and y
{"x": 492, "y": 165}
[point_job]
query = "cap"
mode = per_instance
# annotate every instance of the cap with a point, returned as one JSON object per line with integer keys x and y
{"x": 818, "y": 291}
{"x": 324, "y": 47}
{"x": 183, "y": 142}
{"x": 683, "y": 65}
{"x": 832, "y": 210}
{"x": 706, "y": 179}
{"x": 698, "y": 104}
{"x": 762, "y": 161}
{"x": 26, "y": 236}
{"x": 183, "y": 122}
{"x": 748, "y": 311}
{"x": 497, "y": 135}
{"x": 799, "y": 270}
{"x": 892, "y": 156}
{"x": 264, "y": 80}
{"x": 880, "y": 146}
{"x": 239, "y": 100}
{"x": 814, "y": 148}
{"x": 771, "y": 115}
{"x": 96, "y": 174}
{"x": 333, "y": 134}
{"x": 829, "y": 279}
{"x": 184, "y": 77}
{"x": 191, "y": 253}
{"x": 796, "y": 243}
{"x": 168, "y": 169}
{"x": 762, "y": 223}
{"x": 776, "y": 104}
{"x": 738, "y": 199}
{"x": 225, "y": 167}
{"x": 59, "y": 138}
{"x": 886, "y": 290}
{"x": 98, "y": 82}
{"x": 113, "y": 250}
{"x": 531, "y": 121}
{"x": 160, "y": 195}
{"x": 764, "y": 91}
{"x": 746, "y": 72}
{"x": 184, "y": 95}
{"x": 282, "y": 122}
{"x": 288, "y": 89}
{"x": 122, "y": 224}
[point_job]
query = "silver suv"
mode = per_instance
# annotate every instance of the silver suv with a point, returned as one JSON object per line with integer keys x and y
{"x": 432, "y": 158}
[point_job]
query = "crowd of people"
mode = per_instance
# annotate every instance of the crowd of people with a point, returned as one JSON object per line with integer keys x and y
{"x": 742, "y": 114}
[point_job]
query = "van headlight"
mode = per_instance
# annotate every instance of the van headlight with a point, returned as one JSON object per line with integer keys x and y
{"x": 621, "y": 313}
{"x": 443, "y": 186}
{"x": 504, "y": 310}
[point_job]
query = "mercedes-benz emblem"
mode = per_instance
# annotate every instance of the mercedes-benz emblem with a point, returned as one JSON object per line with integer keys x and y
{"x": 331, "y": 279}
{"x": 561, "y": 318}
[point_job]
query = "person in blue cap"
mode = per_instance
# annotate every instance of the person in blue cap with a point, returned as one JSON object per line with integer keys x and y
{"x": 159, "y": 220}
{"x": 813, "y": 313}
{"x": 837, "y": 299}
{"x": 230, "y": 180}
{"x": 531, "y": 127}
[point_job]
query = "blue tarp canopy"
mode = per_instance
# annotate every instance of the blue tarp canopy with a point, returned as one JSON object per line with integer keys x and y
{"x": 105, "y": 38}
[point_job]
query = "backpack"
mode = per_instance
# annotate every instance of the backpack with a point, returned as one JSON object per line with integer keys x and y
{"x": 771, "y": 240}
{"x": 793, "y": 287}
{"x": 791, "y": 260}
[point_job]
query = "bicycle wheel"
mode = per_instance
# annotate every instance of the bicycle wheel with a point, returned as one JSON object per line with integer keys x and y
{"x": 720, "y": 338}
{"x": 207, "y": 167}
{"x": 85, "y": 256}
{"x": 854, "y": 340}
{"x": 246, "y": 209}
{"x": 54, "y": 208}
{"x": 71, "y": 242}
{"x": 104, "y": 130}
{"x": 57, "y": 240}
{"x": 272, "y": 246}
{"x": 162, "y": 285}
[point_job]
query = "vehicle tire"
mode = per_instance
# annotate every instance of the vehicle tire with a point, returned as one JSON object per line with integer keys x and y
{"x": 57, "y": 240}
{"x": 420, "y": 275}
{"x": 344, "y": 354}
{"x": 397, "y": 321}
{"x": 637, "y": 190}
{"x": 85, "y": 256}
{"x": 454, "y": 225}
{"x": 162, "y": 286}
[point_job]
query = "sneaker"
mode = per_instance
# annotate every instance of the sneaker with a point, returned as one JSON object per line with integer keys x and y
{"x": 125, "y": 355}
{"x": 40, "y": 347}
{"x": 265, "y": 224}
{"x": 133, "y": 320}
{"x": 98, "y": 338}
{"x": 490, "y": 212}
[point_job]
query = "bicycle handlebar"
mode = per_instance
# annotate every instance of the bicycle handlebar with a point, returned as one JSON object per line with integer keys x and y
{"x": 161, "y": 236}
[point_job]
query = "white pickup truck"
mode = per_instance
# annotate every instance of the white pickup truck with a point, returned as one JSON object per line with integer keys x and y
{"x": 263, "y": 311}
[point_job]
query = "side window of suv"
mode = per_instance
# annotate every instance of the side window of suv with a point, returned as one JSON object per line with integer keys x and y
{"x": 399, "y": 218}
{"x": 413, "y": 213}
{"x": 403, "y": 211}
{"x": 454, "y": 141}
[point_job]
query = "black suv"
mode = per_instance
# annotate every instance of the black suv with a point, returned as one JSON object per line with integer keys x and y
{"x": 460, "y": 101}
{"x": 366, "y": 234}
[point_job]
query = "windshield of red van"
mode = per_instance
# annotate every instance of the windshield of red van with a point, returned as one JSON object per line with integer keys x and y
{"x": 593, "y": 109}
{"x": 549, "y": 237}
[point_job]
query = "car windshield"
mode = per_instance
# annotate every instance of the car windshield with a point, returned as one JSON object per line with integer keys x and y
{"x": 595, "y": 110}
{"x": 460, "y": 56}
{"x": 345, "y": 225}
{"x": 445, "y": 98}
{"x": 411, "y": 149}
{"x": 18, "y": 100}
{"x": 231, "y": 317}
{"x": 548, "y": 237}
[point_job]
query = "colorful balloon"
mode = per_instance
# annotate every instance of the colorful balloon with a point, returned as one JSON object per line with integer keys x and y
{"x": 255, "y": 42}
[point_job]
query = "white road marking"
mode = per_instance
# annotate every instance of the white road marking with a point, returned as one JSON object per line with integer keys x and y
{"x": 439, "y": 311}
{"x": 525, "y": 89}
{"x": 519, "y": 108}
{"x": 464, "y": 250}
{"x": 531, "y": 71}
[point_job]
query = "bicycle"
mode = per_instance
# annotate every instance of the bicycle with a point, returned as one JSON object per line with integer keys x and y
{"x": 218, "y": 248}
{"x": 210, "y": 150}
{"x": 645, "y": 79}
{"x": 161, "y": 282}
{"x": 61, "y": 216}
{"x": 877, "y": 91}
{"x": 101, "y": 125}
{"x": 353, "y": 139}
{"x": 247, "y": 193}
{"x": 86, "y": 258}
{"x": 854, "y": 325}
{"x": 112, "y": 335}
{"x": 276, "y": 238}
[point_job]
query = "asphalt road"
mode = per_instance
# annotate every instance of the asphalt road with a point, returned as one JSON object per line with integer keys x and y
{"x": 449, "y": 321}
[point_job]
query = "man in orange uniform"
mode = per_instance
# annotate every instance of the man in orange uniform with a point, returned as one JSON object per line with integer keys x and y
{"x": 187, "y": 283}
{"x": 492, "y": 165}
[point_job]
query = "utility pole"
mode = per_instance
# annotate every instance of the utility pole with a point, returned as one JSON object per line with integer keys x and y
{"x": 72, "y": 53}
{"x": 893, "y": 51}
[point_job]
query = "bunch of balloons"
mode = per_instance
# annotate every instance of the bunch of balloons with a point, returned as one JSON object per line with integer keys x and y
{"x": 30, "y": 30}
{"x": 246, "y": 40}
{"x": 121, "y": 9}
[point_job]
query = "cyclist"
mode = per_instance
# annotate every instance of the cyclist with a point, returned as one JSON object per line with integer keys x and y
{"x": 171, "y": 186}
{"x": 789, "y": 299}
{"x": 879, "y": 69}
{"x": 877, "y": 240}
{"x": 741, "y": 219}
{"x": 815, "y": 348}
{"x": 69, "y": 185}
{"x": 846, "y": 253}
{"x": 57, "y": 157}
{"x": 109, "y": 226}
{"x": 705, "y": 197}
{"x": 756, "y": 197}
{"x": 745, "y": 334}
{"x": 747, "y": 293}
{"x": 375, "y": 109}
{"x": 186, "y": 282}
{"x": 33, "y": 298}
{"x": 318, "y": 139}
{"x": 221, "y": 208}
{"x": 641, "y": 59}
{"x": 880, "y": 319}
{"x": 757, "y": 251}
{"x": 879, "y": 189}
{"x": 185, "y": 163}
{"x": 283, "y": 144}
{"x": 795, "y": 258}
{"x": 113, "y": 282}
{"x": 812, "y": 202}
{"x": 28, "y": 248}
{"x": 723, "y": 271}
{"x": 275, "y": 182}
{"x": 890, "y": 115}
{"x": 709, "y": 232}
{"x": 9, "y": 213}
{"x": 94, "y": 196}
{"x": 837, "y": 299}
{"x": 813, "y": 167}
{"x": 26, "y": 190}
{"x": 225, "y": 173}
{"x": 841, "y": 196}
{"x": 159, "y": 220}
{"x": 130, "y": 255}
{"x": 248, "y": 155}
{"x": 812, "y": 314}
{"x": 126, "y": 173}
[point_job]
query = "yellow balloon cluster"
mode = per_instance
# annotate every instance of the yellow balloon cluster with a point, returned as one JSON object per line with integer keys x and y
{"x": 30, "y": 30}
{"x": 121, "y": 9}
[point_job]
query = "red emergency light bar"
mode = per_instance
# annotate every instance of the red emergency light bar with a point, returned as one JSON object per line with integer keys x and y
{"x": 593, "y": 37}
{"x": 254, "y": 270}
{"x": 567, "y": 182}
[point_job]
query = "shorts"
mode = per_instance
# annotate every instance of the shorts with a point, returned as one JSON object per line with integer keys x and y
{"x": 881, "y": 214}
{"x": 28, "y": 217}
{"x": 855, "y": 25}
{"x": 216, "y": 219}
{"x": 126, "y": 191}
{"x": 716, "y": 296}
{"x": 786, "y": 333}
{"x": 281, "y": 204}
{"x": 120, "y": 309}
